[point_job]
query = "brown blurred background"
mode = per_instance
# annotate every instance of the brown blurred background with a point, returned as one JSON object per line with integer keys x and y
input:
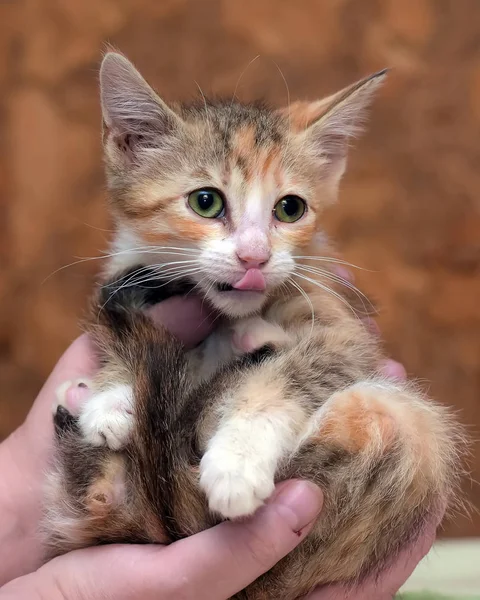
{"x": 410, "y": 204}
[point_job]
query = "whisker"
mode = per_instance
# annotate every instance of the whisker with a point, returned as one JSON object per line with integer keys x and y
{"x": 131, "y": 283}
{"x": 207, "y": 292}
{"x": 233, "y": 100}
{"x": 157, "y": 268}
{"x": 97, "y": 228}
{"x": 289, "y": 136}
{"x": 139, "y": 250}
{"x": 329, "y": 259}
{"x": 160, "y": 277}
{"x": 328, "y": 290}
{"x": 305, "y": 295}
{"x": 208, "y": 121}
{"x": 342, "y": 281}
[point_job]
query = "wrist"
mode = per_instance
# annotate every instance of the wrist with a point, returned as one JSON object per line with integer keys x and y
{"x": 20, "y": 508}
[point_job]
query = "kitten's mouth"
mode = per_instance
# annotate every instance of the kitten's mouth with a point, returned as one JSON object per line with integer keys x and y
{"x": 224, "y": 287}
{"x": 252, "y": 280}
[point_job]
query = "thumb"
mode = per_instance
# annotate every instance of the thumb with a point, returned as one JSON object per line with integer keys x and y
{"x": 219, "y": 562}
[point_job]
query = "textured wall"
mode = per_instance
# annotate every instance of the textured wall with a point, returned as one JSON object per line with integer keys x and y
{"x": 409, "y": 210}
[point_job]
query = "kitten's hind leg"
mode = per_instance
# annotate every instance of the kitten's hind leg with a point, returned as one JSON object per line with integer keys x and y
{"x": 373, "y": 418}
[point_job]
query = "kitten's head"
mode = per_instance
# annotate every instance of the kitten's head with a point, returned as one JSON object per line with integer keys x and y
{"x": 224, "y": 194}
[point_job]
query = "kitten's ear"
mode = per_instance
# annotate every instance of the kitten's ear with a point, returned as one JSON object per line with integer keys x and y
{"x": 327, "y": 125}
{"x": 135, "y": 115}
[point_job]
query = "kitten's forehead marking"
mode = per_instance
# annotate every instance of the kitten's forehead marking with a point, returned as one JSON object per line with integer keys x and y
{"x": 257, "y": 206}
{"x": 255, "y": 175}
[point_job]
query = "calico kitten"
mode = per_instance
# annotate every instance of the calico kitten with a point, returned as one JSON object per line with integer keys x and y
{"x": 226, "y": 199}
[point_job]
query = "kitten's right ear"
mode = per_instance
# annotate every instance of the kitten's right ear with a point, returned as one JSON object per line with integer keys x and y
{"x": 135, "y": 115}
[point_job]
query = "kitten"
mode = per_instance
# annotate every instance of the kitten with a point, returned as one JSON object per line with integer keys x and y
{"x": 226, "y": 199}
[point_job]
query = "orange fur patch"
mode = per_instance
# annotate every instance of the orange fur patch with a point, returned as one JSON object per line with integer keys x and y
{"x": 184, "y": 228}
{"x": 299, "y": 236}
{"x": 358, "y": 420}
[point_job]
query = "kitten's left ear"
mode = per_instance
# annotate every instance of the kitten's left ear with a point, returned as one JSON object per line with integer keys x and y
{"x": 327, "y": 125}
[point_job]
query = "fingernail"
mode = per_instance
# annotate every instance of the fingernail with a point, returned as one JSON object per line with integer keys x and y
{"x": 345, "y": 273}
{"x": 75, "y": 396}
{"x": 300, "y": 503}
{"x": 372, "y": 326}
{"x": 394, "y": 370}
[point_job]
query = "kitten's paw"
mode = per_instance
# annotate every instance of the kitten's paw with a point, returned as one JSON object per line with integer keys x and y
{"x": 253, "y": 333}
{"x": 107, "y": 417}
{"x": 235, "y": 484}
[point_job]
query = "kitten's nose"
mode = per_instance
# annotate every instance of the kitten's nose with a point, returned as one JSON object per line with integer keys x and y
{"x": 252, "y": 260}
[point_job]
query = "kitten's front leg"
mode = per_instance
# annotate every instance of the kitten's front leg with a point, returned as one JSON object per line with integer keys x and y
{"x": 259, "y": 427}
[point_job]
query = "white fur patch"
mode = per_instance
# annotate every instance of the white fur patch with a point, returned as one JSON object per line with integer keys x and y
{"x": 106, "y": 418}
{"x": 237, "y": 471}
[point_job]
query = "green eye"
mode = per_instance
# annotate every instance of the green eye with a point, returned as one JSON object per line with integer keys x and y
{"x": 207, "y": 203}
{"x": 289, "y": 209}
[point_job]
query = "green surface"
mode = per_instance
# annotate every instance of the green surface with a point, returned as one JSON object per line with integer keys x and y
{"x": 451, "y": 571}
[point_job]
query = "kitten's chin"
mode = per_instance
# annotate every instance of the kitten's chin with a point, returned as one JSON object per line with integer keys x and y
{"x": 236, "y": 303}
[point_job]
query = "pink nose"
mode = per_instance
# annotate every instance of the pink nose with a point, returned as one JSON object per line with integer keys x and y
{"x": 253, "y": 261}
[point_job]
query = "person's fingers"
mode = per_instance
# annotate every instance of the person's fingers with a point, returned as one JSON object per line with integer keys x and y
{"x": 26, "y": 454}
{"x": 77, "y": 362}
{"x": 211, "y": 565}
{"x": 188, "y": 318}
{"x": 372, "y": 326}
{"x": 393, "y": 370}
{"x": 344, "y": 273}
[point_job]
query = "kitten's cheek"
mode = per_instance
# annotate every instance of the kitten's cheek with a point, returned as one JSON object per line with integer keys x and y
{"x": 188, "y": 318}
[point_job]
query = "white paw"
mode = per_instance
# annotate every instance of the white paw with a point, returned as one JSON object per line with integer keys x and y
{"x": 236, "y": 483}
{"x": 107, "y": 417}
